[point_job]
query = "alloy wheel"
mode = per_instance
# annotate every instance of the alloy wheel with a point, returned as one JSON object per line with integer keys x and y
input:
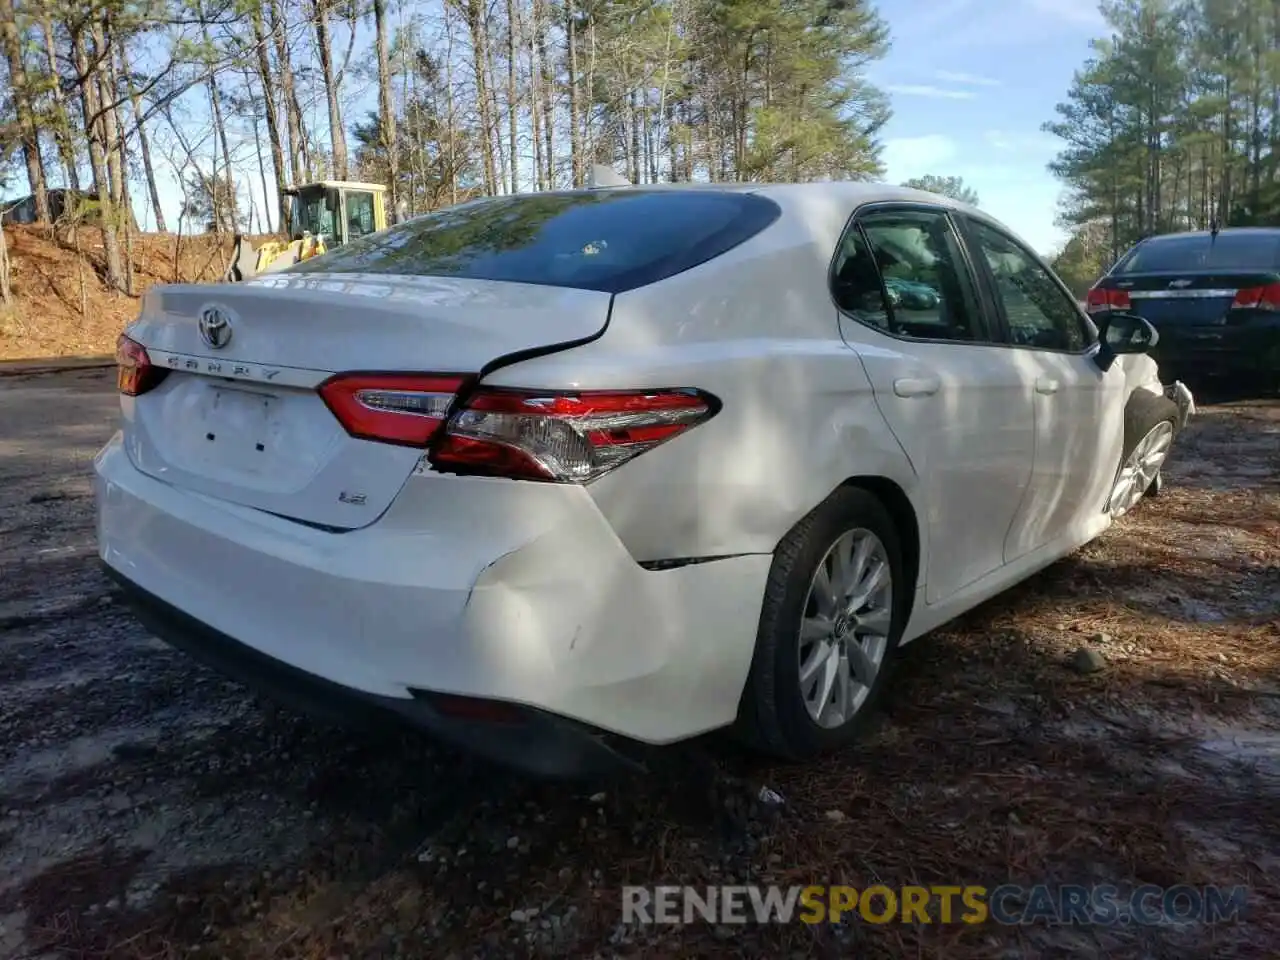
{"x": 844, "y": 630}
{"x": 1141, "y": 468}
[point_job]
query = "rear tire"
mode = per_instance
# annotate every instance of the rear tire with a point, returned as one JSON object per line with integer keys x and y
{"x": 844, "y": 548}
{"x": 1150, "y": 425}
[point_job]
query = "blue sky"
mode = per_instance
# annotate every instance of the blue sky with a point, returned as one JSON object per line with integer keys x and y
{"x": 971, "y": 82}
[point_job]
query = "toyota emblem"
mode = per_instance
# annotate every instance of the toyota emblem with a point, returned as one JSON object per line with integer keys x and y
{"x": 215, "y": 327}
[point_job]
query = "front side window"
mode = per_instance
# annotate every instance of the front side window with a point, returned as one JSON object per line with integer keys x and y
{"x": 1039, "y": 314}
{"x": 910, "y": 261}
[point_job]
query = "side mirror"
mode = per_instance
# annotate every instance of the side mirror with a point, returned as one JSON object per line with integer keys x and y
{"x": 1124, "y": 333}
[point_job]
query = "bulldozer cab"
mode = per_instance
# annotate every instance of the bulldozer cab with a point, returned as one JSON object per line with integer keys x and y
{"x": 322, "y": 215}
{"x": 337, "y": 211}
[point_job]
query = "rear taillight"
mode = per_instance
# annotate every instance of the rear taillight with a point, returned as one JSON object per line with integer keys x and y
{"x": 563, "y": 437}
{"x": 406, "y": 409}
{"x": 1100, "y": 300}
{"x": 135, "y": 373}
{"x": 1258, "y": 298}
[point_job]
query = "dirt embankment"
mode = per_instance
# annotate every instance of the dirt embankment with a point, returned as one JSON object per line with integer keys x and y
{"x": 62, "y": 304}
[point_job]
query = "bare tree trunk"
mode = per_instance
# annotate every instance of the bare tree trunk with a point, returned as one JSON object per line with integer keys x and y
{"x": 337, "y": 136}
{"x": 673, "y": 157}
{"x": 223, "y": 186}
{"x": 144, "y": 144}
{"x": 97, "y": 157}
{"x": 268, "y": 80}
{"x": 575, "y": 148}
{"x": 512, "y": 102}
{"x": 107, "y": 95}
{"x": 451, "y": 115}
{"x": 6, "y": 293}
{"x": 28, "y": 132}
{"x": 223, "y": 193}
{"x": 62, "y": 134}
{"x": 475, "y": 16}
{"x": 299, "y": 155}
{"x": 547, "y": 92}
{"x": 495, "y": 112}
{"x": 126, "y": 207}
{"x": 633, "y": 119}
{"x": 535, "y": 94}
{"x": 386, "y": 110}
{"x": 265, "y": 212}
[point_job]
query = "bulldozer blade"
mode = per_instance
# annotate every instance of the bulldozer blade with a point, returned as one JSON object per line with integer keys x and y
{"x": 244, "y": 261}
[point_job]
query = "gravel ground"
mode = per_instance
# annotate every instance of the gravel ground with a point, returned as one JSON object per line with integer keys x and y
{"x": 150, "y": 809}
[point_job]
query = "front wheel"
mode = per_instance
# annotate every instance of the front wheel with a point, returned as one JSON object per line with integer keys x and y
{"x": 1149, "y": 426}
{"x": 833, "y": 613}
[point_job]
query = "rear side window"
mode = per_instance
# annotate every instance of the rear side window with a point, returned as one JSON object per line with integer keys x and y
{"x": 1229, "y": 251}
{"x": 610, "y": 240}
{"x": 906, "y": 275}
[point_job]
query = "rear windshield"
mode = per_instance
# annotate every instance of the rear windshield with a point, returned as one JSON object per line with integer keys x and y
{"x": 1230, "y": 251}
{"x": 609, "y": 240}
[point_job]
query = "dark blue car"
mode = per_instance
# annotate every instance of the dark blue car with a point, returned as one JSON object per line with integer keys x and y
{"x": 1214, "y": 296}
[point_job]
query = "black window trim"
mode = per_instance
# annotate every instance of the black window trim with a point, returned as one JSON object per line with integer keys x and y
{"x": 992, "y": 292}
{"x": 983, "y": 319}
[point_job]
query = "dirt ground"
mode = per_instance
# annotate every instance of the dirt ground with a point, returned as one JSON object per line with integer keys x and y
{"x": 150, "y": 809}
{"x": 63, "y": 308}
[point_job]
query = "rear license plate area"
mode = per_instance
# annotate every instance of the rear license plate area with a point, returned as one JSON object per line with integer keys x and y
{"x": 237, "y": 428}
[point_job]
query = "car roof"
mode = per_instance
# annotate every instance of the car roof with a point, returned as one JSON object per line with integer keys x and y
{"x": 839, "y": 197}
{"x": 1208, "y": 234}
{"x": 836, "y": 191}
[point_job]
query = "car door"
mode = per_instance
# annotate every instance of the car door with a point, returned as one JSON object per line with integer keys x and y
{"x": 955, "y": 399}
{"x": 1077, "y": 407}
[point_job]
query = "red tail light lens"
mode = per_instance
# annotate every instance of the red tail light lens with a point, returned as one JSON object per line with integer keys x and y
{"x": 563, "y": 437}
{"x": 406, "y": 409}
{"x": 135, "y": 373}
{"x": 1100, "y": 301}
{"x": 1258, "y": 298}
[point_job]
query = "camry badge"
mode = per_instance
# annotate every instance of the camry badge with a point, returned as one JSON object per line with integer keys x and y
{"x": 215, "y": 327}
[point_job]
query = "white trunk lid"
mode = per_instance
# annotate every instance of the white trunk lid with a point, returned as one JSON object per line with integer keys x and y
{"x": 243, "y": 421}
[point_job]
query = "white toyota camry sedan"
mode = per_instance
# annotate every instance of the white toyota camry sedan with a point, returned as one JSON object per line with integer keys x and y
{"x": 560, "y": 477}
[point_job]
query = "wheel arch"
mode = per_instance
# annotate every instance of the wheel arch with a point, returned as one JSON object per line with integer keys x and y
{"x": 903, "y": 513}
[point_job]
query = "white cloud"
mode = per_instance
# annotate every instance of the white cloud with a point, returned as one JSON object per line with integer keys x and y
{"x": 971, "y": 79}
{"x": 927, "y": 90}
{"x": 907, "y": 157}
{"x": 1028, "y": 143}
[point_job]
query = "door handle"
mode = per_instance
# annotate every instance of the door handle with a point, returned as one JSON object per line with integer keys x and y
{"x": 917, "y": 386}
{"x": 1046, "y": 385}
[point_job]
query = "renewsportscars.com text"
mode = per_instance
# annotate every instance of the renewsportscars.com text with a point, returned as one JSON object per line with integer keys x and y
{"x": 1008, "y": 904}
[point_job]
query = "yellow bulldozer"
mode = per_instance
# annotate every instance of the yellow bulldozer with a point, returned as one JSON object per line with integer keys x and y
{"x": 323, "y": 214}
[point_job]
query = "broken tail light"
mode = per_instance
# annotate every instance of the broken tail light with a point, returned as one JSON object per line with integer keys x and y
{"x": 563, "y": 437}
{"x": 135, "y": 373}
